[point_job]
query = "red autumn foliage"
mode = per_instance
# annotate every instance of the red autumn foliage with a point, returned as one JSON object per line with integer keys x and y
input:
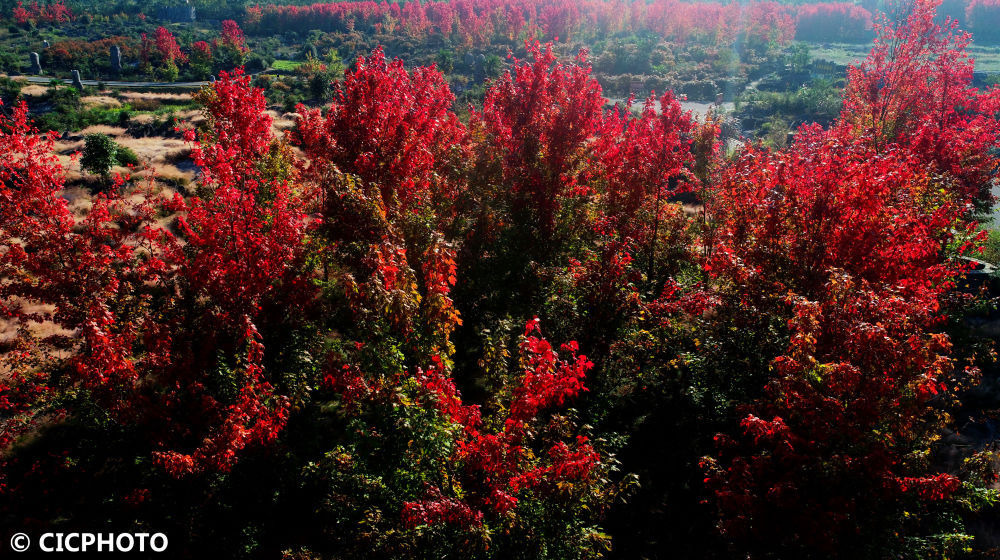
{"x": 29, "y": 210}
{"x": 837, "y": 21}
{"x": 537, "y": 120}
{"x": 914, "y": 90}
{"x": 392, "y": 128}
{"x": 140, "y": 298}
{"x": 844, "y": 234}
{"x": 328, "y": 296}
{"x": 70, "y": 52}
{"x": 497, "y": 465}
{"x": 232, "y": 37}
{"x": 253, "y": 15}
{"x": 643, "y": 161}
{"x": 201, "y": 53}
{"x": 56, "y": 12}
{"x": 830, "y": 226}
{"x": 830, "y": 202}
{"x": 162, "y": 49}
{"x": 476, "y": 22}
{"x": 247, "y": 234}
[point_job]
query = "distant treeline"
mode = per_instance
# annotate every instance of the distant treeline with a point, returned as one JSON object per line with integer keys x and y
{"x": 478, "y": 22}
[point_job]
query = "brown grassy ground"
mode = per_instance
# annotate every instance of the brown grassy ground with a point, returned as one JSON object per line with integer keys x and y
{"x": 34, "y": 90}
{"x": 166, "y": 157}
{"x": 133, "y": 96}
{"x": 8, "y": 328}
{"x": 92, "y": 101}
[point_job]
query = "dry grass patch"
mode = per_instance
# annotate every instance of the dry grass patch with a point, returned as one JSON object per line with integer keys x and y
{"x": 145, "y": 104}
{"x": 112, "y": 131}
{"x": 79, "y": 200}
{"x": 193, "y": 116}
{"x": 174, "y": 174}
{"x": 175, "y": 98}
{"x": 282, "y": 121}
{"x": 8, "y": 327}
{"x": 157, "y": 150}
{"x": 142, "y": 119}
{"x": 103, "y": 101}
{"x": 34, "y": 90}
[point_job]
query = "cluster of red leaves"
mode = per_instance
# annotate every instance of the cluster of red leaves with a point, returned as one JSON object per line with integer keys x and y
{"x": 846, "y": 404}
{"x": 642, "y": 160}
{"x": 162, "y": 48}
{"x": 243, "y": 244}
{"x": 393, "y": 132}
{"x": 255, "y": 418}
{"x": 70, "y": 52}
{"x": 497, "y": 465}
{"x": 29, "y": 211}
{"x": 249, "y": 232}
{"x": 201, "y": 52}
{"x": 232, "y": 37}
{"x": 840, "y": 237}
{"x": 56, "y": 12}
{"x": 538, "y": 119}
{"x": 93, "y": 276}
{"x": 253, "y": 14}
{"x": 831, "y": 201}
{"x": 390, "y": 127}
{"x": 437, "y": 509}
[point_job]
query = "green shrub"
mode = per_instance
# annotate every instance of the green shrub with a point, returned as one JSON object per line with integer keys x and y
{"x": 126, "y": 156}
{"x": 10, "y": 90}
{"x": 99, "y": 154}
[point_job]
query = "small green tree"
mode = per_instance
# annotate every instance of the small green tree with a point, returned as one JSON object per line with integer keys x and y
{"x": 445, "y": 61}
{"x": 799, "y": 57}
{"x": 334, "y": 65}
{"x": 100, "y": 154}
{"x": 493, "y": 66}
{"x": 10, "y": 90}
{"x": 9, "y": 62}
{"x": 168, "y": 72}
